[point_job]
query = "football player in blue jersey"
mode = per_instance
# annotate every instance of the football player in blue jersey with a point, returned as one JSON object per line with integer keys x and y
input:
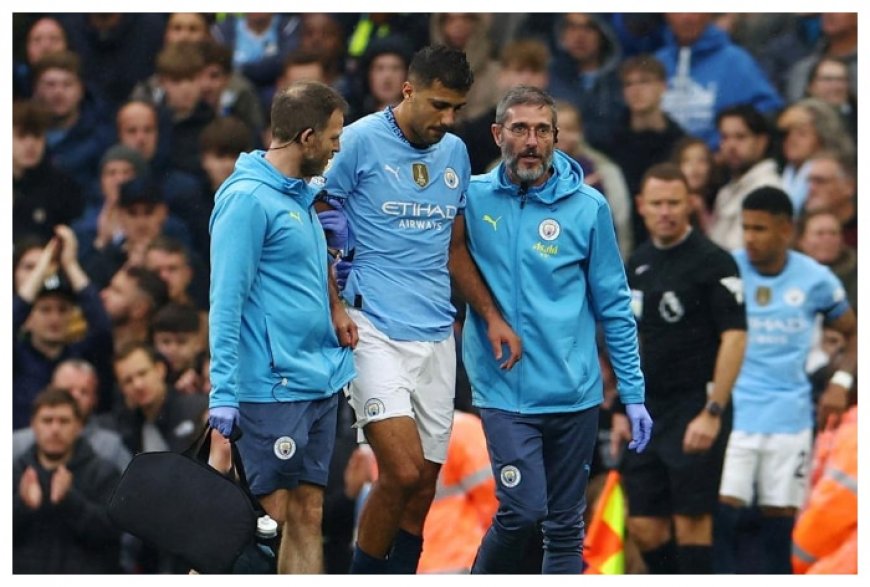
{"x": 400, "y": 179}
{"x": 769, "y": 449}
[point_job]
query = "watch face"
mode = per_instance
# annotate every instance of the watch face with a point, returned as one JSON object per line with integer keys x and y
{"x": 713, "y": 408}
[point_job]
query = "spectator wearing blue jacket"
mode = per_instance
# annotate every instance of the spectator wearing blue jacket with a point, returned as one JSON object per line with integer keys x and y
{"x": 707, "y": 73}
{"x": 546, "y": 247}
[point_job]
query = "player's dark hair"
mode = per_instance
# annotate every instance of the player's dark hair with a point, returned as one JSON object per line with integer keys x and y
{"x": 439, "y": 62}
{"x": 771, "y": 200}
{"x": 303, "y": 105}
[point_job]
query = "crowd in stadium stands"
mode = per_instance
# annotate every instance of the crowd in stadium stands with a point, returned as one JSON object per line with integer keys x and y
{"x": 124, "y": 126}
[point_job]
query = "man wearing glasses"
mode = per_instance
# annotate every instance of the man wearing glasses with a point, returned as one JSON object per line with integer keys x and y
{"x": 545, "y": 245}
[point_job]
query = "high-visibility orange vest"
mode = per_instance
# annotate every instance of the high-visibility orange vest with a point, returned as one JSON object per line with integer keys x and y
{"x": 603, "y": 548}
{"x": 825, "y": 531}
{"x": 464, "y": 501}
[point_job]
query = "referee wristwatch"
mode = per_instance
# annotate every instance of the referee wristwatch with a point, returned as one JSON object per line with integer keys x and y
{"x": 713, "y": 408}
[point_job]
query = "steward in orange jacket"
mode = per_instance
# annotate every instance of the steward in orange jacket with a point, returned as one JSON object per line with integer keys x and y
{"x": 464, "y": 503}
{"x": 825, "y": 538}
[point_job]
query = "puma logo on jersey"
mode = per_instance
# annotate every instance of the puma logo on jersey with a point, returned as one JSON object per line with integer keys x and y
{"x": 393, "y": 170}
{"x": 295, "y": 216}
{"x": 488, "y": 218}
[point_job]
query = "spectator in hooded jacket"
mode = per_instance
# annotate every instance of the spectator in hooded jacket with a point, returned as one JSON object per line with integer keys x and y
{"x": 584, "y": 72}
{"x": 707, "y": 73}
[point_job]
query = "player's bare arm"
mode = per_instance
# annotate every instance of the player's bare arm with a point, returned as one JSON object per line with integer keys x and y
{"x": 473, "y": 289}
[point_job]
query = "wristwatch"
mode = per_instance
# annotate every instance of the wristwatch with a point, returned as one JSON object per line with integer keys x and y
{"x": 713, "y": 408}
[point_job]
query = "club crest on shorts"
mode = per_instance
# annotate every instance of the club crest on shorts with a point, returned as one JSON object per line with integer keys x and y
{"x": 450, "y": 178}
{"x": 420, "y": 173}
{"x": 374, "y": 407}
{"x": 549, "y": 229}
{"x": 284, "y": 448}
{"x": 510, "y": 476}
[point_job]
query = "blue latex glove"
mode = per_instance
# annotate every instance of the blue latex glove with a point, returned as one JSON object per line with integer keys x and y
{"x": 641, "y": 426}
{"x": 342, "y": 271}
{"x": 223, "y": 419}
{"x": 334, "y": 224}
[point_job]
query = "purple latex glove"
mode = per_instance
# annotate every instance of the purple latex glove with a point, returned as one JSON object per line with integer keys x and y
{"x": 223, "y": 419}
{"x": 641, "y": 426}
{"x": 335, "y": 226}
{"x": 342, "y": 271}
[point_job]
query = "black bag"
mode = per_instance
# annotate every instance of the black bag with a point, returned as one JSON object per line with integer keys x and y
{"x": 180, "y": 504}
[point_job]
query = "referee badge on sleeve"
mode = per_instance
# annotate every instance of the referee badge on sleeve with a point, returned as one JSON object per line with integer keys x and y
{"x": 637, "y": 303}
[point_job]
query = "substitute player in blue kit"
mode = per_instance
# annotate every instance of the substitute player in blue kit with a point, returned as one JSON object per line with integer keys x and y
{"x": 400, "y": 179}
{"x": 769, "y": 450}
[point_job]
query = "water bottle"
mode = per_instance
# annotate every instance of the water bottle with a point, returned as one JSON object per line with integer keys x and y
{"x": 260, "y": 558}
{"x": 267, "y": 536}
{"x": 267, "y": 529}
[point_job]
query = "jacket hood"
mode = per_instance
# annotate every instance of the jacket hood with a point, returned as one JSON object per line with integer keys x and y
{"x": 567, "y": 179}
{"x": 254, "y": 167}
{"x": 712, "y": 39}
{"x": 611, "y": 52}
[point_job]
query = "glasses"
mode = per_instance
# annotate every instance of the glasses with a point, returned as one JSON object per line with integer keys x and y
{"x": 832, "y": 78}
{"x": 521, "y": 131}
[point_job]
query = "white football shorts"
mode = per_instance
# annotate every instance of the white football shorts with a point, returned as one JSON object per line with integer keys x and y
{"x": 777, "y": 466}
{"x": 404, "y": 378}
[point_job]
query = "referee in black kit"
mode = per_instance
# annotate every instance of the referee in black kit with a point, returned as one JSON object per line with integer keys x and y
{"x": 687, "y": 297}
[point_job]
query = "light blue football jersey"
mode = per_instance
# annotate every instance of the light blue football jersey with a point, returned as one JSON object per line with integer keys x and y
{"x": 773, "y": 393}
{"x": 400, "y": 202}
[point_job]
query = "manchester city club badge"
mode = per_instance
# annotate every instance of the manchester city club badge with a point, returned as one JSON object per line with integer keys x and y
{"x": 510, "y": 476}
{"x": 549, "y": 229}
{"x": 284, "y": 448}
{"x": 450, "y": 178}
{"x": 420, "y": 173}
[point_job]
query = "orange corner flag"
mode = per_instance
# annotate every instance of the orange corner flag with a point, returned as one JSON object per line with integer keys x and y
{"x": 603, "y": 548}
